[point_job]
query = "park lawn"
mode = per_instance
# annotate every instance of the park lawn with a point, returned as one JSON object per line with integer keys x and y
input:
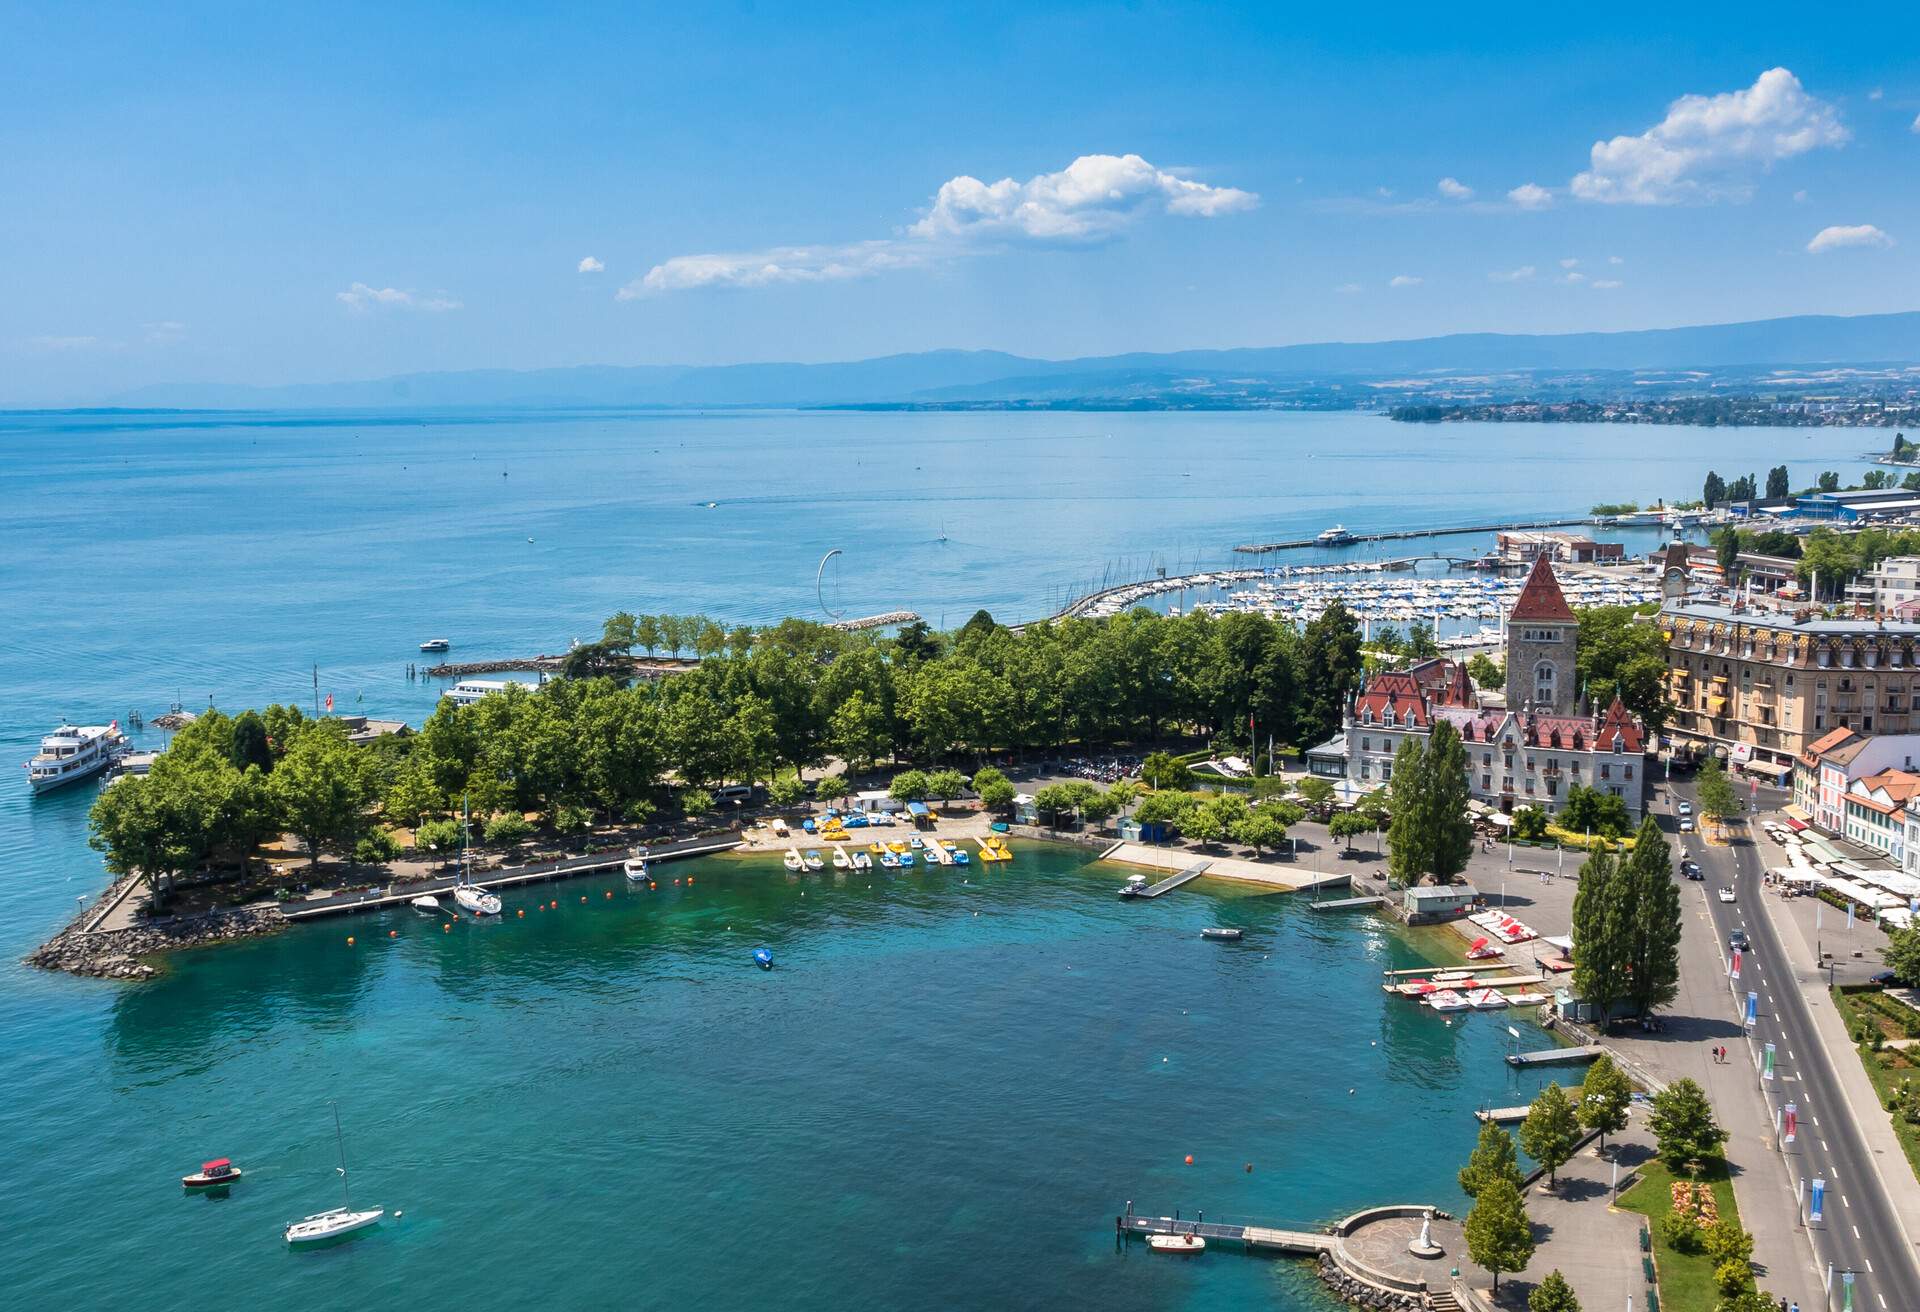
{"x": 1886, "y": 1068}
{"x": 1686, "y": 1279}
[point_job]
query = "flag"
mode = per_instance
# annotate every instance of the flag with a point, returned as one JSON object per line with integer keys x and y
{"x": 329, "y": 701}
{"x": 1736, "y": 963}
{"x": 1767, "y": 1071}
{"x": 1849, "y": 917}
{"x": 1753, "y": 1008}
{"x": 1818, "y": 1205}
{"x": 1792, "y": 1117}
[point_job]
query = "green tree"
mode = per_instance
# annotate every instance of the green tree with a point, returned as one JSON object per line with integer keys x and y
{"x": 1747, "y": 1300}
{"x": 1777, "y": 486}
{"x": 508, "y": 828}
{"x": 1728, "y": 1245}
{"x": 789, "y": 790}
{"x": 1529, "y": 822}
{"x": 1682, "y": 1123}
{"x": 1329, "y": 671}
{"x": 996, "y": 791}
{"x": 909, "y": 786}
{"x": 376, "y": 848}
{"x": 1621, "y": 655}
{"x": 1717, "y": 799}
{"x": 1605, "y": 1095}
{"x": 1599, "y": 933}
{"x": 695, "y": 801}
{"x": 1316, "y": 794}
{"x": 1715, "y": 490}
{"x": 1553, "y": 1294}
{"x": 1499, "y": 1236}
{"x": 1410, "y": 838}
{"x": 1348, "y": 825}
{"x": 1203, "y": 824}
{"x": 1258, "y": 830}
{"x": 1485, "y": 671}
{"x": 946, "y": 784}
{"x": 250, "y": 742}
{"x": 324, "y": 787}
{"x": 1902, "y": 954}
{"x": 1726, "y": 546}
{"x": 833, "y": 788}
{"x": 1652, "y": 917}
{"x": 1550, "y": 1131}
{"x": 1161, "y": 771}
{"x": 860, "y": 731}
{"x": 1444, "y": 783}
{"x": 1829, "y": 481}
{"x": 440, "y": 838}
{"x": 1493, "y": 1158}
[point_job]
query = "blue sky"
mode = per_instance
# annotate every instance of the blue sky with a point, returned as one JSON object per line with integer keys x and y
{"x": 271, "y": 194}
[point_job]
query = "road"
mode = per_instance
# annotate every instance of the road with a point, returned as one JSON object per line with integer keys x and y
{"x": 1860, "y": 1231}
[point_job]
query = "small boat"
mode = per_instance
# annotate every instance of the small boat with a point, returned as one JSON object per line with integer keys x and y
{"x": 889, "y": 861}
{"x": 763, "y": 958}
{"x": 635, "y": 868}
{"x": 1448, "y": 1000}
{"x": 1487, "y": 1000}
{"x": 216, "y": 1174}
{"x": 338, "y": 1221}
{"x": 779, "y": 827}
{"x": 435, "y": 644}
{"x": 477, "y": 901}
{"x": 904, "y": 859}
{"x": 793, "y": 860}
{"x": 861, "y": 861}
{"x": 814, "y": 861}
{"x": 841, "y": 861}
{"x": 428, "y": 903}
{"x": 1337, "y": 536}
{"x": 1136, "y": 886}
{"x": 875, "y": 848}
{"x": 1182, "y": 1244}
{"x": 1224, "y": 935}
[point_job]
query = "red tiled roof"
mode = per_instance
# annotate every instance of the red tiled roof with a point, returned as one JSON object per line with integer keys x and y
{"x": 1541, "y": 598}
{"x": 1821, "y": 746}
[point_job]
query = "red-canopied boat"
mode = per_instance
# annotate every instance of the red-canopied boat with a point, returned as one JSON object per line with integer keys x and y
{"x": 216, "y": 1174}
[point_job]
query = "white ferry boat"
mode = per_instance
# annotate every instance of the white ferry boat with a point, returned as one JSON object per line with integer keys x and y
{"x": 74, "y": 752}
{"x": 1337, "y": 536}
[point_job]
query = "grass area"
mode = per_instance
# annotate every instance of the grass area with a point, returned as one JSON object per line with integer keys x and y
{"x": 1888, "y": 1067}
{"x": 1686, "y": 1279}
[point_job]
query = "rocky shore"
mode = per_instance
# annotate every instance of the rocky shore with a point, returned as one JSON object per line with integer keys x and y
{"x": 117, "y": 954}
{"x": 1349, "y": 1289}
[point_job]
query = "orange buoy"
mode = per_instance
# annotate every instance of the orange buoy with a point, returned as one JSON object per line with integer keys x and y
{"x": 349, "y": 940}
{"x": 689, "y": 881}
{"x": 651, "y": 886}
{"x": 444, "y": 928}
{"x": 1189, "y": 1159}
{"x": 393, "y": 933}
{"x": 556, "y": 904}
{"x": 609, "y": 892}
{"x": 521, "y": 913}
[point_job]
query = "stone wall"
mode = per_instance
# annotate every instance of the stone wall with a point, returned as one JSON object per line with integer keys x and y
{"x": 116, "y": 954}
{"x": 1360, "y": 1293}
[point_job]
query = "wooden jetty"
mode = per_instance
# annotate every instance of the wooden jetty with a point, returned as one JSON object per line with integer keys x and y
{"x": 880, "y": 621}
{"x": 1502, "y": 1115}
{"x": 399, "y": 895}
{"x": 1275, "y": 1238}
{"x": 1172, "y": 882}
{"x": 1349, "y": 903}
{"x": 1556, "y": 1056}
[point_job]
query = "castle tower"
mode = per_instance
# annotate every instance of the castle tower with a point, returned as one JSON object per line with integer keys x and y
{"x": 1542, "y": 637}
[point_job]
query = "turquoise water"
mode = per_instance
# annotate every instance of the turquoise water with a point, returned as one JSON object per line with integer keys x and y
{"x": 940, "y": 1097}
{"x": 606, "y": 1104}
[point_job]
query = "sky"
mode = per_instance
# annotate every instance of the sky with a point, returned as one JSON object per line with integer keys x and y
{"x": 268, "y": 194}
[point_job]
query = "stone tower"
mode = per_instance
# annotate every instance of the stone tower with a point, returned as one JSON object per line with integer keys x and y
{"x": 1542, "y": 637}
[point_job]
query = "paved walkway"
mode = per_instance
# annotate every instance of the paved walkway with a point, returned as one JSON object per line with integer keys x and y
{"x": 1221, "y": 866}
{"x": 1580, "y": 1234}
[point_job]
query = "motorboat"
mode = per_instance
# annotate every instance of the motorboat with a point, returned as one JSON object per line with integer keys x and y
{"x": 814, "y": 861}
{"x": 73, "y": 752}
{"x": 1136, "y": 886}
{"x": 435, "y": 644}
{"x": 635, "y": 868}
{"x": 793, "y": 860}
{"x": 841, "y": 861}
{"x": 216, "y": 1174}
{"x": 861, "y": 861}
{"x": 336, "y": 1222}
{"x": 1177, "y": 1244}
{"x": 476, "y": 901}
{"x": 428, "y": 903}
{"x": 763, "y": 958}
{"x": 1224, "y": 935}
{"x": 889, "y": 861}
{"x": 1337, "y": 536}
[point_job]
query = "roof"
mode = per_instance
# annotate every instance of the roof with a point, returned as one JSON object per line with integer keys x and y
{"x": 1819, "y": 747}
{"x": 1541, "y": 598}
{"x": 1424, "y": 892}
{"x": 1577, "y": 733}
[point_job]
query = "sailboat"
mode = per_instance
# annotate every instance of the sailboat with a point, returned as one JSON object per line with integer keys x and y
{"x": 475, "y": 901}
{"x": 338, "y": 1221}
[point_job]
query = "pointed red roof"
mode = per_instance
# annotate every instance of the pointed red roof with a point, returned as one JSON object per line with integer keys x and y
{"x": 1541, "y": 598}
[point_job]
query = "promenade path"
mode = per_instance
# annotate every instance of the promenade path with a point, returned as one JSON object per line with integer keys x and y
{"x": 1279, "y": 874}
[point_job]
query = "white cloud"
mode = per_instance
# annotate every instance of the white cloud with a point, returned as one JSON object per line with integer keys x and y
{"x": 1404, "y": 280}
{"x": 1876, "y": 94}
{"x": 1349, "y": 289}
{"x": 1521, "y": 274}
{"x": 360, "y": 297}
{"x": 1605, "y": 284}
{"x": 74, "y": 342}
{"x": 1615, "y": 259}
{"x": 1571, "y": 262}
{"x": 1530, "y": 197}
{"x": 1384, "y": 193}
{"x": 1800, "y": 196}
{"x": 1574, "y": 277}
{"x": 1092, "y": 199}
{"x": 591, "y": 265}
{"x": 1454, "y": 189}
{"x": 1706, "y": 146}
{"x": 1839, "y": 237}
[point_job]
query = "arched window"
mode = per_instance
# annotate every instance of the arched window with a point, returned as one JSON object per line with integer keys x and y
{"x": 1543, "y": 683}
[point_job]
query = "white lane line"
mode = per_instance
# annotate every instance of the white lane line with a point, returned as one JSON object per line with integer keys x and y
{"x": 1856, "y": 1232}
{"x": 1882, "y": 1297}
{"x": 1823, "y": 1146}
{"x": 1844, "y": 1202}
{"x": 1816, "y": 1120}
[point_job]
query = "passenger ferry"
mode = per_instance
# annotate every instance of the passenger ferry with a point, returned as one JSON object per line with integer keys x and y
{"x": 1337, "y": 536}
{"x": 73, "y": 752}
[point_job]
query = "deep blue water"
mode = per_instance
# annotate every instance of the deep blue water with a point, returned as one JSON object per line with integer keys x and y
{"x": 602, "y": 1105}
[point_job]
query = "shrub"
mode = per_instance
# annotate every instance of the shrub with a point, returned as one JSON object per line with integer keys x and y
{"x": 376, "y": 848}
{"x": 438, "y": 836}
{"x": 508, "y": 828}
{"x": 1681, "y": 1231}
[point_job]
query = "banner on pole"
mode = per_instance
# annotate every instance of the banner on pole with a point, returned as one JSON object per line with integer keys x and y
{"x": 1792, "y": 1119}
{"x": 1736, "y": 963}
{"x": 1766, "y": 1070}
{"x": 1816, "y": 1206}
{"x": 1753, "y": 1008}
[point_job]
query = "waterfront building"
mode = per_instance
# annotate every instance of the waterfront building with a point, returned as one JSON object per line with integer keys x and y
{"x": 1426, "y": 903}
{"x": 1764, "y": 573}
{"x": 1523, "y": 546}
{"x": 1758, "y": 686}
{"x": 1896, "y": 586}
{"x": 1529, "y": 752}
{"x": 1824, "y": 774}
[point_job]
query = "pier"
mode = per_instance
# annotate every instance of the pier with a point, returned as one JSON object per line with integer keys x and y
{"x": 1501, "y": 1115}
{"x": 1556, "y": 1056}
{"x": 879, "y": 621}
{"x": 639, "y": 667}
{"x": 399, "y": 895}
{"x": 1308, "y": 1243}
{"x": 1172, "y": 882}
{"x": 1349, "y": 903}
{"x": 1403, "y": 534}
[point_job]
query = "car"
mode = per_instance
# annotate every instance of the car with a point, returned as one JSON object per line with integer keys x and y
{"x": 1726, "y": 895}
{"x": 1686, "y": 808}
{"x": 1686, "y": 824}
{"x": 1738, "y": 940}
{"x": 1691, "y": 869}
{"x": 1884, "y": 978}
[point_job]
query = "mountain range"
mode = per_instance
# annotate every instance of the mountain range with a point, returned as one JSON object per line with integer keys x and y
{"x": 1245, "y": 375}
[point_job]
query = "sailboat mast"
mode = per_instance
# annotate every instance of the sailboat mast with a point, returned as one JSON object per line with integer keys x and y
{"x": 340, "y": 1141}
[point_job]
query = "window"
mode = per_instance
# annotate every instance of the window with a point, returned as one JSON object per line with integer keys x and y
{"x": 1486, "y": 783}
{"x": 1543, "y": 682}
{"x": 1606, "y": 771}
{"x": 1386, "y": 769}
{"x": 1629, "y": 772}
{"x": 1366, "y": 744}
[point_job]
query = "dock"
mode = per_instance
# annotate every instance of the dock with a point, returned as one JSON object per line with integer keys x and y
{"x": 1556, "y": 1056}
{"x": 1402, "y": 534}
{"x": 398, "y": 895}
{"x": 1172, "y": 882}
{"x": 1502, "y": 1115}
{"x": 1274, "y": 1238}
{"x": 1349, "y": 903}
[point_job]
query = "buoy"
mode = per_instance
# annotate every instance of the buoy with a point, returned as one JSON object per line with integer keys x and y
{"x": 1349, "y": 1093}
{"x": 393, "y": 933}
{"x": 1163, "y": 1059}
{"x": 583, "y": 897}
{"x": 349, "y": 940}
{"x": 1189, "y": 1159}
{"x": 556, "y": 904}
{"x": 1249, "y": 1172}
{"x": 676, "y": 881}
{"x": 689, "y": 881}
{"x": 651, "y": 886}
{"x": 609, "y": 892}
{"x": 521, "y": 913}
{"x": 445, "y": 928}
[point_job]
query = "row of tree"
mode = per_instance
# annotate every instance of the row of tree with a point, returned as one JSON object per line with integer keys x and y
{"x": 1834, "y": 559}
{"x": 1626, "y": 927}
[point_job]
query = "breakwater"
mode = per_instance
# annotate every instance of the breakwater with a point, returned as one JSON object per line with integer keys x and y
{"x": 639, "y": 667}
{"x": 1404, "y": 534}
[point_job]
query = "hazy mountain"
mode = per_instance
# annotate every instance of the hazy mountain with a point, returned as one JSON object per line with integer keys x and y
{"x": 937, "y": 377}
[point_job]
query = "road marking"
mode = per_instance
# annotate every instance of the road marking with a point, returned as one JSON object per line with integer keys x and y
{"x": 1856, "y": 1232}
{"x": 1882, "y": 1297}
{"x": 1823, "y": 1145}
{"x": 1816, "y": 1120}
{"x": 1844, "y": 1202}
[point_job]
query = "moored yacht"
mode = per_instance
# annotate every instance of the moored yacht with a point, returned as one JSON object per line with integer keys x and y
{"x": 73, "y": 752}
{"x": 1337, "y": 536}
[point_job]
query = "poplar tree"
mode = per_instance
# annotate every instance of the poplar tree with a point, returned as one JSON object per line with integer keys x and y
{"x": 1550, "y": 1130}
{"x": 1599, "y": 955}
{"x": 1410, "y": 837}
{"x": 1499, "y": 1236}
{"x": 1445, "y": 786}
{"x": 1651, "y": 911}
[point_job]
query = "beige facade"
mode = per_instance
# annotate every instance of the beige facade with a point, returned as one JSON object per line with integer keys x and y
{"x": 1756, "y": 682}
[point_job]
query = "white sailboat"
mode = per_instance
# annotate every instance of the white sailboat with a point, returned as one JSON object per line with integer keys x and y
{"x": 472, "y": 899}
{"x": 338, "y": 1221}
